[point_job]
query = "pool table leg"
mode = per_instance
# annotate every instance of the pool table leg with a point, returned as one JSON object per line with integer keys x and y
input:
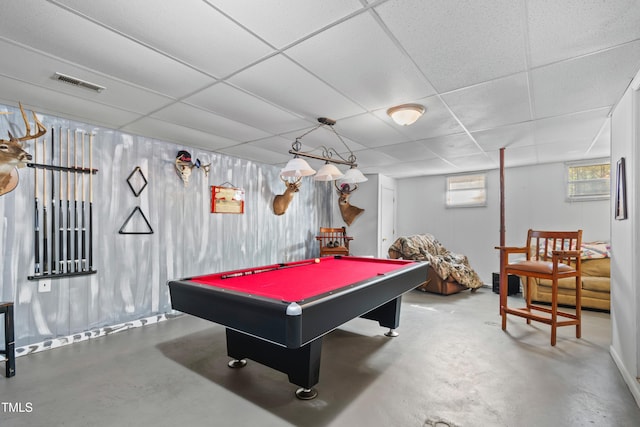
{"x": 302, "y": 365}
{"x": 387, "y": 315}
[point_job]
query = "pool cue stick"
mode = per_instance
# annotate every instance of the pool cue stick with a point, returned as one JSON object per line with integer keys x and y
{"x": 45, "y": 239}
{"x": 36, "y": 219}
{"x": 75, "y": 201}
{"x": 68, "y": 202}
{"x": 53, "y": 206}
{"x": 84, "y": 228}
{"x": 266, "y": 270}
{"x": 90, "y": 201}
{"x": 60, "y": 213}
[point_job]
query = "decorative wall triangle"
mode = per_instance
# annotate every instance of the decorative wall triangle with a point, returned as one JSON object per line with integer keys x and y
{"x": 131, "y": 215}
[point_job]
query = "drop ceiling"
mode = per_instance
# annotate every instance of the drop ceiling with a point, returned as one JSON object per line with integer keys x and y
{"x": 245, "y": 78}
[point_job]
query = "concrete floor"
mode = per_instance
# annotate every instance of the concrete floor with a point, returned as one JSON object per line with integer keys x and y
{"x": 452, "y": 365}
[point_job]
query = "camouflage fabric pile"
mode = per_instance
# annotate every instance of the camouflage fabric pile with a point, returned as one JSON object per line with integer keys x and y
{"x": 425, "y": 247}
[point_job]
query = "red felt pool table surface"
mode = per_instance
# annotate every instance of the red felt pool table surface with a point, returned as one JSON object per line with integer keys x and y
{"x": 297, "y": 281}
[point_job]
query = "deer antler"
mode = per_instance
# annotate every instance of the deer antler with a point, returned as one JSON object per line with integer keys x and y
{"x": 41, "y": 129}
{"x": 287, "y": 182}
{"x": 345, "y": 188}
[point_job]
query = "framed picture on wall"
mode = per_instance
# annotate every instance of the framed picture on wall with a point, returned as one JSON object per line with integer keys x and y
{"x": 621, "y": 191}
{"x": 227, "y": 200}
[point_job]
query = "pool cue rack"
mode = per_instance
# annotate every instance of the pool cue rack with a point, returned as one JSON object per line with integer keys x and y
{"x": 63, "y": 205}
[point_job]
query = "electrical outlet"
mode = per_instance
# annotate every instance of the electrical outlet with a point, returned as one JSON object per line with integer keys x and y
{"x": 44, "y": 286}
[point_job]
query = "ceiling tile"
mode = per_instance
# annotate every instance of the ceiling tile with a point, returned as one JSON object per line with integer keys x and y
{"x": 209, "y": 30}
{"x": 59, "y": 104}
{"x": 452, "y": 145}
{"x": 517, "y": 135}
{"x": 434, "y": 166}
{"x": 459, "y": 43}
{"x": 560, "y": 30}
{"x": 56, "y": 31}
{"x": 256, "y": 153}
{"x": 303, "y": 17}
{"x": 278, "y": 146}
{"x": 294, "y": 89}
{"x": 408, "y": 151}
{"x": 39, "y": 69}
{"x": 481, "y": 161}
{"x": 383, "y": 74}
{"x": 580, "y": 127}
{"x": 584, "y": 83}
{"x": 549, "y": 153}
{"x": 369, "y": 130}
{"x": 205, "y": 121}
{"x": 181, "y": 135}
{"x": 368, "y": 159}
{"x": 495, "y": 103}
{"x": 240, "y": 106}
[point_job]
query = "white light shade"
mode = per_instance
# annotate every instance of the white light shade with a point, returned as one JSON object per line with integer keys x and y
{"x": 406, "y": 114}
{"x": 353, "y": 175}
{"x": 328, "y": 172}
{"x": 297, "y": 167}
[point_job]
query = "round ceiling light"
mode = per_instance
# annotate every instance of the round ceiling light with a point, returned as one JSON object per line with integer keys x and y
{"x": 406, "y": 114}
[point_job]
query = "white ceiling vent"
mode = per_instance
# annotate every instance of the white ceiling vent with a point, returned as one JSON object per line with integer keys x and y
{"x": 78, "y": 82}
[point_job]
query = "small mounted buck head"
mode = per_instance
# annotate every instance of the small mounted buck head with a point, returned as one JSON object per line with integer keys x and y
{"x": 281, "y": 201}
{"x": 349, "y": 212}
{"x": 13, "y": 155}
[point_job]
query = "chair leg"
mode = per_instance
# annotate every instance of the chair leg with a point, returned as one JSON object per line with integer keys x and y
{"x": 579, "y": 307}
{"x": 528, "y": 298}
{"x": 554, "y": 310}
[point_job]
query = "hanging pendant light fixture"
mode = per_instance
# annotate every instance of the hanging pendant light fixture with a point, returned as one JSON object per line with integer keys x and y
{"x": 298, "y": 167}
{"x": 353, "y": 175}
{"x": 328, "y": 172}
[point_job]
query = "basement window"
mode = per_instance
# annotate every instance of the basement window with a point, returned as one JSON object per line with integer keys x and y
{"x": 588, "y": 180}
{"x": 464, "y": 191}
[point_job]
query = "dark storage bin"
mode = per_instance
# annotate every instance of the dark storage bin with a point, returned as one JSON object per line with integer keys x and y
{"x": 513, "y": 284}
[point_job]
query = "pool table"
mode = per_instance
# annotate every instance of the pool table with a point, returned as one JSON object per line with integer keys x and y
{"x": 277, "y": 314}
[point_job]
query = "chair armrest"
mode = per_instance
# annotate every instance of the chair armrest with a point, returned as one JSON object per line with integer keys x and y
{"x": 507, "y": 250}
{"x": 512, "y": 249}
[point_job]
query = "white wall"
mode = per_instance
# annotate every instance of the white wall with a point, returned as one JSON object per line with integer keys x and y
{"x": 534, "y": 198}
{"x": 625, "y": 238}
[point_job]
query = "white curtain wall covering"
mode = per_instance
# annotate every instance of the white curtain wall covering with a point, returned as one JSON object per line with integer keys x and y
{"x": 133, "y": 269}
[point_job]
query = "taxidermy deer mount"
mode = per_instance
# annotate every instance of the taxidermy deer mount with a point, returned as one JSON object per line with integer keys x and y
{"x": 13, "y": 155}
{"x": 184, "y": 166}
{"x": 349, "y": 212}
{"x": 281, "y": 201}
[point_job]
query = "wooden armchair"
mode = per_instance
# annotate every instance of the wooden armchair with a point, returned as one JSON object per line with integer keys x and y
{"x": 552, "y": 255}
{"x": 333, "y": 241}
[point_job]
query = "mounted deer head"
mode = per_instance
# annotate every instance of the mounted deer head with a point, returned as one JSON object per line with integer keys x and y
{"x": 13, "y": 155}
{"x": 281, "y": 201}
{"x": 349, "y": 212}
